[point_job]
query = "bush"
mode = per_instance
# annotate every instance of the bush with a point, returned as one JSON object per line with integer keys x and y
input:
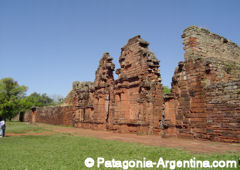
{"x": 166, "y": 90}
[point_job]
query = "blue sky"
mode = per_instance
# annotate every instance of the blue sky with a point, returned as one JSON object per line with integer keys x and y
{"x": 48, "y": 44}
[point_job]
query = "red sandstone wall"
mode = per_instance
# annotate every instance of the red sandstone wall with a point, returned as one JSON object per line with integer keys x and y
{"x": 204, "y": 101}
{"x": 27, "y": 116}
{"x": 138, "y": 90}
{"x": 168, "y": 124}
{"x": 57, "y": 115}
{"x": 96, "y": 111}
{"x": 223, "y": 121}
{"x": 133, "y": 102}
{"x": 205, "y": 88}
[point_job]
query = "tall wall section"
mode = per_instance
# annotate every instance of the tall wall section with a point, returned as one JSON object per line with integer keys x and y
{"x": 206, "y": 88}
{"x": 137, "y": 102}
{"x": 95, "y": 110}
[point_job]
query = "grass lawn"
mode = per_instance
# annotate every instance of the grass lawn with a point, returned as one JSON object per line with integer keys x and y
{"x": 66, "y": 151}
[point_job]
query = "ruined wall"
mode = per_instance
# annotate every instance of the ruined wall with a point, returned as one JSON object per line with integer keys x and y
{"x": 200, "y": 42}
{"x": 103, "y": 90}
{"x": 57, "y": 115}
{"x": 168, "y": 122}
{"x": 206, "y": 88}
{"x": 95, "y": 113}
{"x": 133, "y": 102}
{"x": 80, "y": 94}
{"x": 27, "y": 117}
{"x": 137, "y": 99}
{"x": 80, "y": 97}
{"x": 204, "y": 101}
{"x": 223, "y": 121}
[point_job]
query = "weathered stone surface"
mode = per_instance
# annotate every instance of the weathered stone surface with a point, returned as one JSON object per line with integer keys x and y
{"x": 96, "y": 113}
{"x": 137, "y": 99}
{"x": 133, "y": 102}
{"x": 79, "y": 95}
{"x": 200, "y": 42}
{"x": 57, "y": 115}
{"x": 205, "y": 88}
{"x": 204, "y": 101}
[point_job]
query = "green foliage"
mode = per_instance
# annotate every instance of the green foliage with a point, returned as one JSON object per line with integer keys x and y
{"x": 65, "y": 151}
{"x": 166, "y": 90}
{"x": 13, "y": 99}
{"x": 36, "y": 99}
{"x": 11, "y": 94}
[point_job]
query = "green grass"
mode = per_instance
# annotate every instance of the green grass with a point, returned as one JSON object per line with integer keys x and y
{"x": 66, "y": 151}
{"x": 20, "y": 128}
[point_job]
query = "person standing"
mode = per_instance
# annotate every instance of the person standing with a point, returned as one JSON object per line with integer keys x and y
{"x": 3, "y": 127}
{"x": 0, "y": 130}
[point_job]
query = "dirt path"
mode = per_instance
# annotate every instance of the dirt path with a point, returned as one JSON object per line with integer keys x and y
{"x": 199, "y": 146}
{"x": 30, "y": 133}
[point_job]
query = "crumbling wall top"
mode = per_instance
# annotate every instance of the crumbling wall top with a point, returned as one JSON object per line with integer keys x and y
{"x": 80, "y": 91}
{"x": 104, "y": 73}
{"x": 136, "y": 40}
{"x": 82, "y": 86}
{"x": 137, "y": 61}
{"x": 202, "y": 43}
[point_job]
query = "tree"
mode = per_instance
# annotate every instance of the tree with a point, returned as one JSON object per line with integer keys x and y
{"x": 36, "y": 99}
{"x": 11, "y": 94}
{"x": 166, "y": 90}
{"x": 13, "y": 99}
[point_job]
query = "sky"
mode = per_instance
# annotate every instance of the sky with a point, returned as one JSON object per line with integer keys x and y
{"x": 48, "y": 44}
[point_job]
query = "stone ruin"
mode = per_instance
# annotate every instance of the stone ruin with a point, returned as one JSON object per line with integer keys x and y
{"x": 205, "y": 98}
{"x": 204, "y": 101}
{"x": 132, "y": 103}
